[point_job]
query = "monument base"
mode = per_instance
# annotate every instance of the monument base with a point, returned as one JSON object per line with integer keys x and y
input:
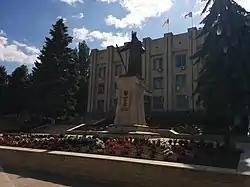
{"x": 130, "y": 101}
{"x": 130, "y": 114}
{"x": 138, "y": 131}
{"x": 121, "y": 129}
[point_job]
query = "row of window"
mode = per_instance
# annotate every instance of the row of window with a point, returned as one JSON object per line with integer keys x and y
{"x": 158, "y": 83}
{"x": 158, "y": 102}
{"x": 181, "y": 102}
{"x": 180, "y": 81}
{"x": 102, "y": 71}
{"x": 101, "y": 87}
{"x": 180, "y": 62}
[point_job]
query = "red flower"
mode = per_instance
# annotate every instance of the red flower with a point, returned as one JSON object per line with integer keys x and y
{"x": 127, "y": 144}
{"x": 111, "y": 143}
{"x": 116, "y": 146}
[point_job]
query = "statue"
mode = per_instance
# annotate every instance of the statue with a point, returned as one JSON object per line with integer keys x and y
{"x": 135, "y": 51}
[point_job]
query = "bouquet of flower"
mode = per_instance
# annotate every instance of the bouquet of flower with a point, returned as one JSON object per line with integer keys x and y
{"x": 126, "y": 148}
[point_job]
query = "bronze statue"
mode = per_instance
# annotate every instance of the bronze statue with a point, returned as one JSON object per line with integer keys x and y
{"x": 135, "y": 51}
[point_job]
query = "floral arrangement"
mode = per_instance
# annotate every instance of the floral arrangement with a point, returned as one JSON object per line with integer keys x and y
{"x": 186, "y": 151}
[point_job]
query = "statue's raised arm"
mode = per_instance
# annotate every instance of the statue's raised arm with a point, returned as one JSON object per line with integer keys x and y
{"x": 125, "y": 48}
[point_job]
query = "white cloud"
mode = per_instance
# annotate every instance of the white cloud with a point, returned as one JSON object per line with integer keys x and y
{"x": 72, "y": 2}
{"x": 29, "y": 49}
{"x": 201, "y": 4}
{"x": 11, "y": 52}
{"x": 2, "y": 33}
{"x": 191, "y": 3}
{"x": 107, "y": 38}
{"x": 244, "y": 3}
{"x": 78, "y": 16}
{"x": 138, "y": 11}
{"x": 198, "y": 7}
{"x": 108, "y": 1}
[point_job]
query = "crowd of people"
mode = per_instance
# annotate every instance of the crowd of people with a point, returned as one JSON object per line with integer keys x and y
{"x": 185, "y": 151}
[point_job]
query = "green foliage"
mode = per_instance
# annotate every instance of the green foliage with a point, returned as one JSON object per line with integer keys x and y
{"x": 3, "y": 76}
{"x": 17, "y": 90}
{"x": 3, "y": 89}
{"x": 13, "y": 91}
{"x": 82, "y": 54}
{"x": 83, "y": 59}
{"x": 56, "y": 88}
{"x": 223, "y": 83}
{"x": 55, "y": 77}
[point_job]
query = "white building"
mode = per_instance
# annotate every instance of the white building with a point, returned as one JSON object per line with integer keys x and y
{"x": 166, "y": 68}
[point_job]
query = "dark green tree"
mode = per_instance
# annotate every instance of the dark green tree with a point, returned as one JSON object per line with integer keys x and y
{"x": 3, "y": 76}
{"x": 3, "y": 89}
{"x": 223, "y": 80}
{"x": 223, "y": 83}
{"x": 17, "y": 91}
{"x": 82, "y": 55}
{"x": 55, "y": 76}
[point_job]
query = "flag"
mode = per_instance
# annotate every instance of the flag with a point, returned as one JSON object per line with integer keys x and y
{"x": 166, "y": 23}
{"x": 190, "y": 15}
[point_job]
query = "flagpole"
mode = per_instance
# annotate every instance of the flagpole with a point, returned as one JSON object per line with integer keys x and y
{"x": 190, "y": 15}
{"x": 192, "y": 19}
{"x": 168, "y": 27}
{"x": 192, "y": 63}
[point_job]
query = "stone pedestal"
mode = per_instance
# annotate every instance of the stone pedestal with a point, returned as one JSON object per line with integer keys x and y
{"x": 130, "y": 114}
{"x": 130, "y": 103}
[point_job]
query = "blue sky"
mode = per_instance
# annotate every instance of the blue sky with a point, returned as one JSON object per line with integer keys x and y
{"x": 25, "y": 23}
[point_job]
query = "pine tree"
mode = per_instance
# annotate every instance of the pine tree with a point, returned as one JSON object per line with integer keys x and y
{"x": 3, "y": 76}
{"x": 82, "y": 54}
{"x": 223, "y": 82}
{"x": 17, "y": 90}
{"x": 3, "y": 89}
{"x": 83, "y": 59}
{"x": 55, "y": 77}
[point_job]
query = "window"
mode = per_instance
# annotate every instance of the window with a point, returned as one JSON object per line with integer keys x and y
{"x": 146, "y": 98}
{"x": 117, "y": 70}
{"x": 102, "y": 72}
{"x": 158, "y": 82}
{"x": 180, "y": 81}
{"x": 116, "y": 87}
{"x": 158, "y": 102}
{"x": 182, "y": 101}
{"x": 101, "y": 88}
{"x": 115, "y": 102}
{"x": 100, "y": 105}
{"x": 180, "y": 61}
{"x": 158, "y": 64}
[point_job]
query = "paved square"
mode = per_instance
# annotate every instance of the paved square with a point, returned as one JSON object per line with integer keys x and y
{"x": 21, "y": 178}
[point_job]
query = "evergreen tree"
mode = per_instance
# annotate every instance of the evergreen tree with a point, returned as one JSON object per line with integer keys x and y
{"x": 223, "y": 82}
{"x": 82, "y": 54}
{"x": 55, "y": 77}
{"x": 83, "y": 59}
{"x": 3, "y": 76}
{"x": 17, "y": 90}
{"x": 3, "y": 89}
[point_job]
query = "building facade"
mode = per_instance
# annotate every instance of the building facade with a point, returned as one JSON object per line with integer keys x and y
{"x": 166, "y": 68}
